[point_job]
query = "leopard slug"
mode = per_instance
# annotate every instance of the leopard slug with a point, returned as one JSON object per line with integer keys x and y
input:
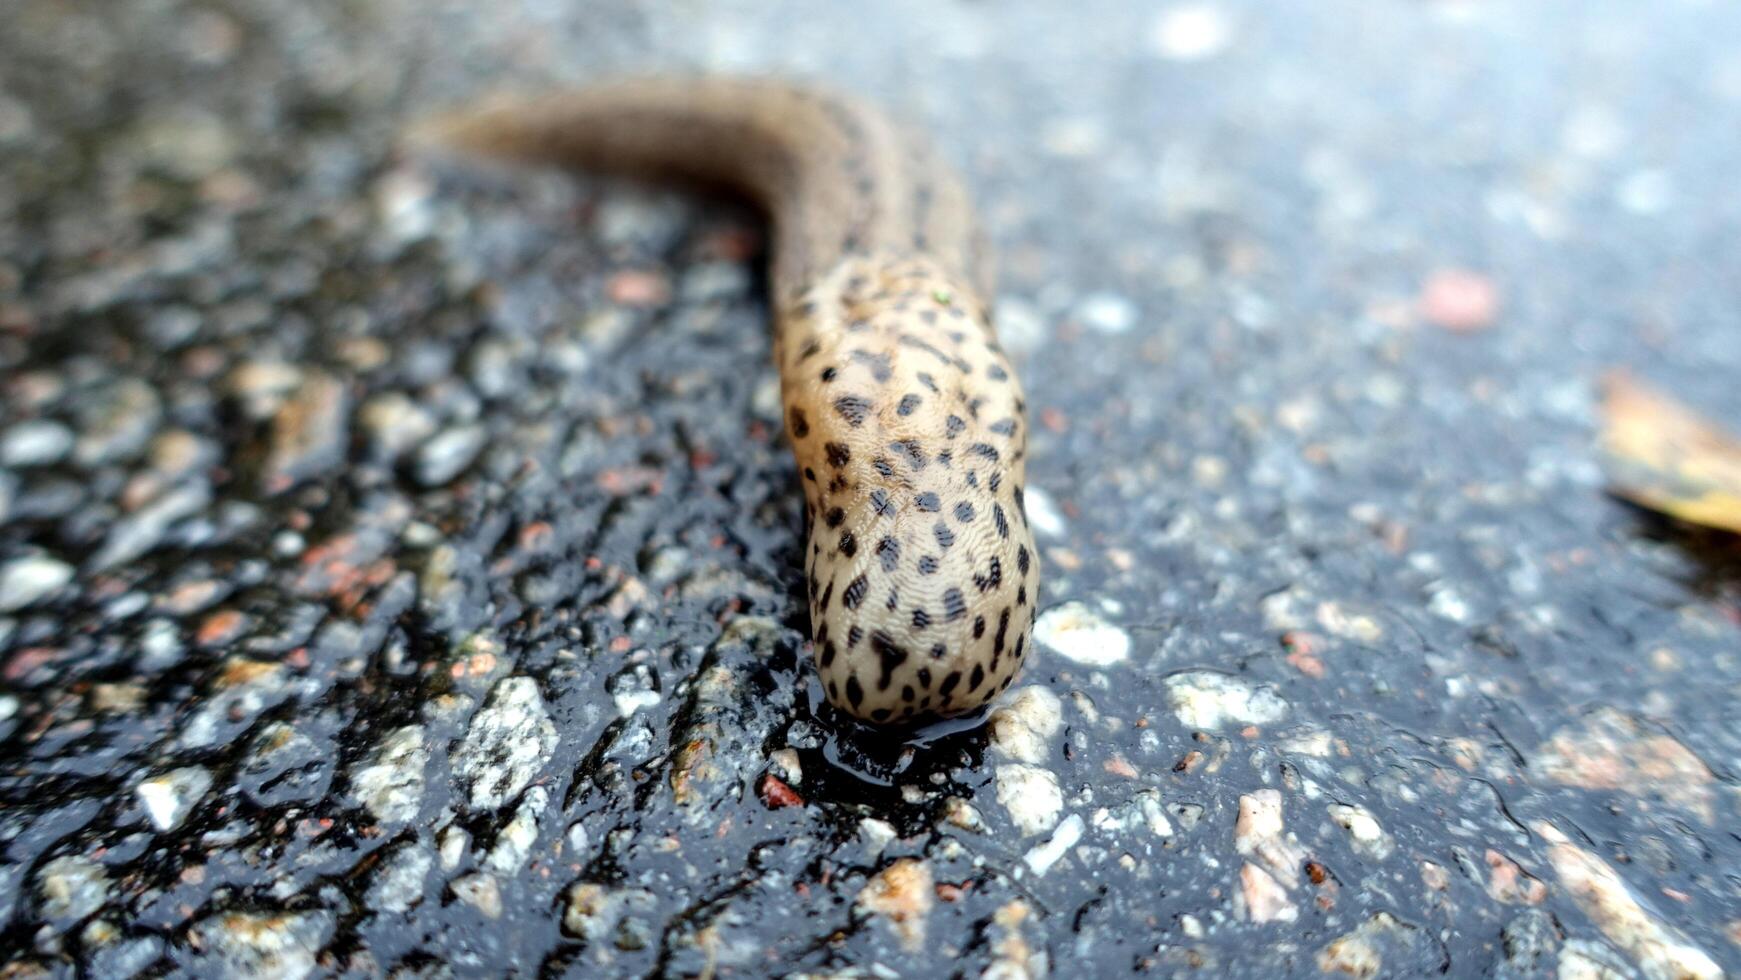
{"x": 907, "y": 422}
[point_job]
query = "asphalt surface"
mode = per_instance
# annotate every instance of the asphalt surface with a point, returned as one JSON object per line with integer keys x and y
{"x": 399, "y": 563}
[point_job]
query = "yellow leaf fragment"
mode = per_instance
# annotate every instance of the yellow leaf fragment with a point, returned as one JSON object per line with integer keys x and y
{"x": 1664, "y": 456}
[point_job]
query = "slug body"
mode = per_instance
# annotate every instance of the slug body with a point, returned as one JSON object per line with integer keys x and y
{"x": 906, "y": 419}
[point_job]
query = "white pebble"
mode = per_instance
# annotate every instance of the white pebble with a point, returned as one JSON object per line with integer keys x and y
{"x": 1076, "y": 633}
{"x": 26, "y": 581}
{"x": 1020, "y": 328}
{"x": 875, "y": 835}
{"x": 1191, "y": 32}
{"x": 169, "y": 798}
{"x": 634, "y": 699}
{"x": 1369, "y": 837}
{"x": 1207, "y": 700}
{"x": 1107, "y": 312}
{"x": 1645, "y": 192}
{"x": 37, "y": 443}
{"x": 1043, "y": 513}
{"x": 1024, "y": 728}
{"x": 1031, "y": 795}
{"x": 1041, "y": 858}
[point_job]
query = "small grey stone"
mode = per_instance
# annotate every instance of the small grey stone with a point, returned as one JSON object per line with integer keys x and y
{"x": 713, "y": 281}
{"x": 117, "y": 422}
{"x": 172, "y": 326}
{"x": 284, "y": 766}
{"x": 27, "y": 581}
{"x": 1529, "y": 941}
{"x": 48, "y": 499}
{"x": 398, "y": 880}
{"x": 144, "y": 530}
{"x": 124, "y": 958}
{"x": 393, "y": 424}
{"x": 11, "y": 889}
{"x": 508, "y": 743}
{"x": 160, "y": 646}
{"x": 1209, "y": 700}
{"x": 264, "y": 946}
{"x": 594, "y": 910}
{"x": 39, "y": 442}
{"x": 242, "y": 690}
{"x": 1108, "y": 312}
{"x": 481, "y": 891}
{"x": 514, "y": 842}
{"x": 169, "y": 798}
{"x": 310, "y": 432}
{"x": 493, "y": 369}
{"x": 71, "y": 888}
{"x": 448, "y": 454}
{"x": 390, "y": 783}
{"x": 260, "y": 386}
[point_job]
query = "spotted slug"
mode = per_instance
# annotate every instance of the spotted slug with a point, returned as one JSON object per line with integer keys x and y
{"x": 905, "y": 417}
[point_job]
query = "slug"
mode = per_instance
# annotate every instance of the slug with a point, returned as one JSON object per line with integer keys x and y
{"x": 905, "y": 417}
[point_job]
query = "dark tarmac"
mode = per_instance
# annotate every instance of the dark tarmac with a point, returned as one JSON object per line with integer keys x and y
{"x": 399, "y": 562}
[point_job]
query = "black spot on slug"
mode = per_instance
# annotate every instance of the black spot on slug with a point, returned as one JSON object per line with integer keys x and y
{"x": 879, "y": 364}
{"x": 945, "y": 537}
{"x": 992, "y": 578}
{"x": 854, "y": 594}
{"x": 853, "y": 408}
{"x": 890, "y": 655}
{"x": 910, "y": 448}
{"x": 889, "y": 552}
{"x": 881, "y": 503}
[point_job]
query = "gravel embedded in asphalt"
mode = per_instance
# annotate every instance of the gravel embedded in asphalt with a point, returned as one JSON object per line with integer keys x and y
{"x": 399, "y": 561}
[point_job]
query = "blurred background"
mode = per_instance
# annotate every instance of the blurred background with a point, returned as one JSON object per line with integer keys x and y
{"x": 399, "y": 562}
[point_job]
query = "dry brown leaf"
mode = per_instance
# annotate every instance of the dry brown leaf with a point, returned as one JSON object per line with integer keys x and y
{"x": 1664, "y": 456}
